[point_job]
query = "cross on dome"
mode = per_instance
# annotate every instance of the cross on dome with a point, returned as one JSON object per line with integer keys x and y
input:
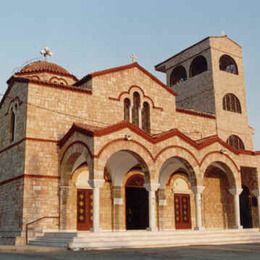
{"x": 46, "y": 52}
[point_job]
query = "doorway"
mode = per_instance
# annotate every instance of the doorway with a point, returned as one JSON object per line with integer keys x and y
{"x": 182, "y": 211}
{"x": 245, "y": 208}
{"x": 136, "y": 196}
{"x": 84, "y": 209}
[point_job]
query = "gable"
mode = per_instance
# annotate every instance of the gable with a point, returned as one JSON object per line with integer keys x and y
{"x": 121, "y": 70}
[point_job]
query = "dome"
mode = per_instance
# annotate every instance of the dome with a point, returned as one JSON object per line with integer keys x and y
{"x": 44, "y": 66}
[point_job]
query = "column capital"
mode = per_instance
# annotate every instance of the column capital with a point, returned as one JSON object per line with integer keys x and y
{"x": 235, "y": 191}
{"x": 152, "y": 186}
{"x": 198, "y": 189}
{"x": 96, "y": 183}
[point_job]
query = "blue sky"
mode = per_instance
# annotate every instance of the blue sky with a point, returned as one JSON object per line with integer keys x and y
{"x": 91, "y": 35}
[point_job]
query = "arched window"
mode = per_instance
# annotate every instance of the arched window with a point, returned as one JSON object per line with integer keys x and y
{"x": 231, "y": 103}
{"x": 127, "y": 109}
{"x": 236, "y": 142}
{"x": 12, "y": 125}
{"x": 198, "y": 65}
{"x": 178, "y": 74}
{"x": 228, "y": 64}
{"x": 146, "y": 117}
{"x": 135, "y": 109}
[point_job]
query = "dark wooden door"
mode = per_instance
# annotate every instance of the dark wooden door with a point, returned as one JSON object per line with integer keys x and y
{"x": 84, "y": 209}
{"x": 245, "y": 208}
{"x": 182, "y": 211}
{"x": 137, "y": 208}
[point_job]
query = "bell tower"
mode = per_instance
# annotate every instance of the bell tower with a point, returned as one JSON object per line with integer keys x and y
{"x": 209, "y": 77}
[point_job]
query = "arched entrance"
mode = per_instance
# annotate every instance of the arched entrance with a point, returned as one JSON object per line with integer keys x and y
{"x": 217, "y": 200}
{"x": 177, "y": 207}
{"x": 136, "y": 197}
{"x": 182, "y": 208}
{"x": 75, "y": 191}
{"x": 84, "y": 198}
{"x": 126, "y": 212}
{"x": 245, "y": 208}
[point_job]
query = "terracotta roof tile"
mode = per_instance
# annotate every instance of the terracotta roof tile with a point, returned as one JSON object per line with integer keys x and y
{"x": 44, "y": 66}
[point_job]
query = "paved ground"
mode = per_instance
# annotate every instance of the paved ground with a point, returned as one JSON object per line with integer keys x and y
{"x": 234, "y": 252}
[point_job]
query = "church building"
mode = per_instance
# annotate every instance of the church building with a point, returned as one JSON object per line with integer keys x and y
{"x": 119, "y": 151}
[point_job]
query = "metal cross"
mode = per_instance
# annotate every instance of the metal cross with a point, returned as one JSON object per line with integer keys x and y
{"x": 133, "y": 57}
{"x": 45, "y": 52}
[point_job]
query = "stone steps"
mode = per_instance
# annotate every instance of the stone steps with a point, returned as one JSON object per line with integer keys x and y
{"x": 135, "y": 239}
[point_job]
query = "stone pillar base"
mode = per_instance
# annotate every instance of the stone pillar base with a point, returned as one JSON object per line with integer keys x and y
{"x": 96, "y": 230}
{"x": 238, "y": 227}
{"x": 155, "y": 229}
{"x": 200, "y": 228}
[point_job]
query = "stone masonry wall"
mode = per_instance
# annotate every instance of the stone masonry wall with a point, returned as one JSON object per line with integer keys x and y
{"x": 196, "y": 127}
{"x": 16, "y": 95}
{"x": 205, "y": 91}
{"x": 11, "y": 210}
{"x": 41, "y": 199}
{"x": 224, "y": 83}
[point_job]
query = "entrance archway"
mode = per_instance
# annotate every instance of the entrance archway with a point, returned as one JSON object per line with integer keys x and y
{"x": 136, "y": 197}
{"x": 245, "y": 208}
{"x": 177, "y": 203}
{"x": 182, "y": 208}
{"x": 217, "y": 201}
{"x": 120, "y": 167}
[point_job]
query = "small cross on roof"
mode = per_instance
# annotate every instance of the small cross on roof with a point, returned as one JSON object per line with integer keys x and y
{"x": 133, "y": 57}
{"x": 46, "y": 52}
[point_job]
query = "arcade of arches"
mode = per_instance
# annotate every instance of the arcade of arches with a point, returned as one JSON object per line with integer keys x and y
{"x": 129, "y": 194}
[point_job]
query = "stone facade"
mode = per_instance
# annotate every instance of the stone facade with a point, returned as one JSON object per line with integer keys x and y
{"x": 70, "y": 135}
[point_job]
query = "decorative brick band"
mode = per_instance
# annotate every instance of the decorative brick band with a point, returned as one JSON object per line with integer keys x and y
{"x": 199, "y": 144}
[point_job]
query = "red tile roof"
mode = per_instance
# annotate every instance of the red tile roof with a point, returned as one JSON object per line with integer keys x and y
{"x": 44, "y": 66}
{"x": 198, "y": 144}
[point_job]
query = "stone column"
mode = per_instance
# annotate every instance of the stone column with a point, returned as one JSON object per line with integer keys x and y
{"x": 236, "y": 192}
{"x": 140, "y": 116}
{"x": 130, "y": 112}
{"x": 162, "y": 203}
{"x": 118, "y": 203}
{"x": 197, "y": 190}
{"x": 63, "y": 201}
{"x": 96, "y": 185}
{"x": 257, "y": 194}
{"x": 152, "y": 188}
